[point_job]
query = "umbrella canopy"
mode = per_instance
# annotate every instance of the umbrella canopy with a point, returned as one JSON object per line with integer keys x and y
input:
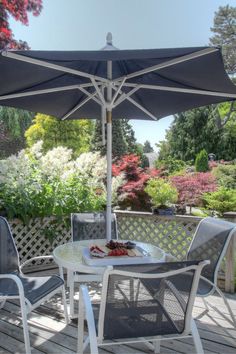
{"x": 132, "y": 84}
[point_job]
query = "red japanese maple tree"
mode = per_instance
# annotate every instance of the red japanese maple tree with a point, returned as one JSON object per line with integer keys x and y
{"x": 132, "y": 194}
{"x": 191, "y": 187}
{"x": 19, "y": 10}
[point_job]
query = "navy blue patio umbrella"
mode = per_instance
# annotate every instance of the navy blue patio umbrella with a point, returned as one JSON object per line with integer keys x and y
{"x": 112, "y": 84}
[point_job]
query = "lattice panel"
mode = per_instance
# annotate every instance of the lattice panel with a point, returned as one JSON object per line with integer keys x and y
{"x": 31, "y": 240}
{"x": 173, "y": 234}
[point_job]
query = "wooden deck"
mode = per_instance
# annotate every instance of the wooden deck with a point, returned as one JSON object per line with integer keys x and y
{"x": 50, "y": 334}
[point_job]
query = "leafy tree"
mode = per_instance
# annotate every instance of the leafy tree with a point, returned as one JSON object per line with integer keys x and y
{"x": 192, "y": 186}
{"x": 225, "y": 175}
{"x": 164, "y": 147}
{"x": 147, "y": 147}
{"x": 19, "y": 10}
{"x": 201, "y": 162}
{"x": 131, "y": 193}
{"x": 190, "y": 132}
{"x": 195, "y": 130}
{"x": 224, "y": 30}
{"x": 74, "y": 134}
{"x": 13, "y": 123}
{"x": 170, "y": 165}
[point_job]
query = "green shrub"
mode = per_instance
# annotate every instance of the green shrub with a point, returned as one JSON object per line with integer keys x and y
{"x": 201, "y": 162}
{"x": 170, "y": 165}
{"x": 162, "y": 193}
{"x": 33, "y": 184}
{"x": 221, "y": 201}
{"x": 225, "y": 176}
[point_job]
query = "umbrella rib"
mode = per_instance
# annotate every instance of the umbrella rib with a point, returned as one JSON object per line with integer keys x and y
{"x": 50, "y": 65}
{"x": 78, "y": 106}
{"x": 58, "y": 89}
{"x": 141, "y": 108}
{"x": 98, "y": 91}
{"x": 182, "y": 90}
{"x": 124, "y": 96}
{"x": 91, "y": 95}
{"x": 38, "y": 92}
{"x": 118, "y": 89}
{"x": 169, "y": 63}
{"x": 136, "y": 104}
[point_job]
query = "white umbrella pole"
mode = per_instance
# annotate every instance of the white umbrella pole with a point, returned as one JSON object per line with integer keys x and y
{"x": 109, "y": 154}
{"x": 109, "y": 175}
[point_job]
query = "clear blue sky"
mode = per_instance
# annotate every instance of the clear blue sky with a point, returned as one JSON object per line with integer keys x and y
{"x": 135, "y": 24}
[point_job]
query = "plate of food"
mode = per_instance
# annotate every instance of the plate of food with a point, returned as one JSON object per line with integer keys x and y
{"x": 115, "y": 253}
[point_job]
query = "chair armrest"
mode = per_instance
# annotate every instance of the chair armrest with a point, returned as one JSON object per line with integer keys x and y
{"x": 34, "y": 259}
{"x": 17, "y": 280}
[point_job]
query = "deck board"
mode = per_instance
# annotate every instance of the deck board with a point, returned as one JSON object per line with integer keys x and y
{"x": 49, "y": 333}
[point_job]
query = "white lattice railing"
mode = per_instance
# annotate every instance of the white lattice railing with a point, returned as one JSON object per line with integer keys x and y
{"x": 33, "y": 240}
{"x": 171, "y": 233}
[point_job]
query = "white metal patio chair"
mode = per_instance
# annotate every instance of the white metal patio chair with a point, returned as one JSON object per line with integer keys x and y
{"x": 211, "y": 241}
{"x": 141, "y": 303}
{"x": 88, "y": 226}
{"x": 30, "y": 291}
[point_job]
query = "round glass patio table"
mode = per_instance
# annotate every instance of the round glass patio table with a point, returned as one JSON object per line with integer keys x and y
{"x": 70, "y": 256}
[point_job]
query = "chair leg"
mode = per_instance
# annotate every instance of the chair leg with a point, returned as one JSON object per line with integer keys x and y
{"x": 63, "y": 290}
{"x": 157, "y": 346}
{"x": 25, "y": 326}
{"x": 227, "y": 305}
{"x": 2, "y": 304}
{"x": 80, "y": 328}
{"x": 196, "y": 338}
{"x": 72, "y": 292}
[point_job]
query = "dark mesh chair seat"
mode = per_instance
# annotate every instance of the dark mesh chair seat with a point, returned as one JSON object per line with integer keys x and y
{"x": 35, "y": 288}
{"x": 145, "y": 300}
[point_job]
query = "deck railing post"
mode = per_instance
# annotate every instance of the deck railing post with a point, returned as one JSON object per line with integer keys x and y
{"x": 230, "y": 266}
{"x": 230, "y": 257}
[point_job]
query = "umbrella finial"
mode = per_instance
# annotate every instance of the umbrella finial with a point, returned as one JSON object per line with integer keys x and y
{"x": 109, "y": 38}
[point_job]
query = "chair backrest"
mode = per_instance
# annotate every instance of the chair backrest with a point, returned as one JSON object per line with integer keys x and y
{"x": 9, "y": 258}
{"x": 148, "y": 299}
{"x": 210, "y": 241}
{"x": 86, "y": 226}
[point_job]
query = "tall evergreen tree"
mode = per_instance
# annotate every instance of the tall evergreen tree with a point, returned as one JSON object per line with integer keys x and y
{"x": 224, "y": 30}
{"x": 129, "y": 136}
{"x": 147, "y": 147}
{"x": 123, "y": 140}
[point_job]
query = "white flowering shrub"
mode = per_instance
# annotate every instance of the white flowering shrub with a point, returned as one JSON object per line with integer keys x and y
{"x": 33, "y": 184}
